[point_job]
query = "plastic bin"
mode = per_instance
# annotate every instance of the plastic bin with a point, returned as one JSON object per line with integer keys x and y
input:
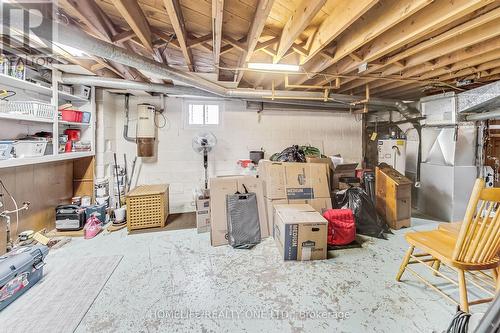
{"x": 5, "y": 149}
{"x": 73, "y": 116}
{"x": 28, "y": 108}
{"x": 29, "y": 148}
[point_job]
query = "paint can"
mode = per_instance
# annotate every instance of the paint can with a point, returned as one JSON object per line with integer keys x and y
{"x": 101, "y": 187}
{"x": 86, "y": 201}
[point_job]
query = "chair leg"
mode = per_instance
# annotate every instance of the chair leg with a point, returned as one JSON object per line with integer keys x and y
{"x": 464, "y": 303}
{"x": 406, "y": 259}
{"x": 436, "y": 265}
{"x": 496, "y": 275}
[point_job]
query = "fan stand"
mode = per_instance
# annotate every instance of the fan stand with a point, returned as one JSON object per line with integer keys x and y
{"x": 205, "y": 165}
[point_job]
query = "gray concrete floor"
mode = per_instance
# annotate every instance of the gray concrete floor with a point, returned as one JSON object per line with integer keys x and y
{"x": 174, "y": 281}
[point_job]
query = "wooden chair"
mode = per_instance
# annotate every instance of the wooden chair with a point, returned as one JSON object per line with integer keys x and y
{"x": 474, "y": 249}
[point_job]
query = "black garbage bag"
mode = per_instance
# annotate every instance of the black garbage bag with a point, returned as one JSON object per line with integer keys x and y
{"x": 368, "y": 222}
{"x": 290, "y": 154}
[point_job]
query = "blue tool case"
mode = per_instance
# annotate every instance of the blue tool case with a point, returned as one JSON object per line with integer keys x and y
{"x": 20, "y": 269}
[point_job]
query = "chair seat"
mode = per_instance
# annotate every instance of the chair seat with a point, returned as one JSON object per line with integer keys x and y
{"x": 452, "y": 228}
{"x": 440, "y": 244}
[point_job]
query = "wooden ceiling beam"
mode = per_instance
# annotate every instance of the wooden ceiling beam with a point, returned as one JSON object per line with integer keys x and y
{"x": 217, "y": 13}
{"x": 93, "y": 16}
{"x": 261, "y": 14}
{"x": 382, "y": 17}
{"x": 135, "y": 18}
{"x": 465, "y": 39}
{"x": 123, "y": 36}
{"x": 343, "y": 15}
{"x": 269, "y": 42}
{"x": 99, "y": 24}
{"x": 436, "y": 15}
{"x": 235, "y": 43}
{"x": 473, "y": 70}
{"x": 198, "y": 40}
{"x": 298, "y": 21}
{"x": 425, "y": 21}
{"x": 174, "y": 12}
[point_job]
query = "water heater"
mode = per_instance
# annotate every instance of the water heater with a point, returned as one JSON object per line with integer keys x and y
{"x": 146, "y": 130}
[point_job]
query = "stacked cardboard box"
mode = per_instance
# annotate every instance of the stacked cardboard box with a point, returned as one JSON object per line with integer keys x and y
{"x": 203, "y": 215}
{"x": 222, "y": 186}
{"x": 300, "y": 232}
{"x": 295, "y": 183}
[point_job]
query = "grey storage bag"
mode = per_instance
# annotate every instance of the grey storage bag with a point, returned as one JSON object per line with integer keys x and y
{"x": 243, "y": 225}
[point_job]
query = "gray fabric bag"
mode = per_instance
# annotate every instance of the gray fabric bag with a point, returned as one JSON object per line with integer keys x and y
{"x": 243, "y": 225}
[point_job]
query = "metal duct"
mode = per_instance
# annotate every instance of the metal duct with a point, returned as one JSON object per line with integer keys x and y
{"x": 247, "y": 94}
{"x": 493, "y": 114}
{"x": 106, "y": 82}
{"x": 77, "y": 38}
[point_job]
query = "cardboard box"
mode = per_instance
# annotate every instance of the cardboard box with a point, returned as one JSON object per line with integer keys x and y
{"x": 203, "y": 215}
{"x": 318, "y": 204}
{"x": 222, "y": 186}
{"x": 330, "y": 167}
{"x": 300, "y": 232}
{"x": 284, "y": 180}
{"x": 343, "y": 170}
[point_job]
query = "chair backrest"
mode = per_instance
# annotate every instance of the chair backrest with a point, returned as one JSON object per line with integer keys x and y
{"x": 479, "y": 237}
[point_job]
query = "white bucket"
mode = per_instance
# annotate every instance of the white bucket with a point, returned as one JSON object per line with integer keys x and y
{"x": 120, "y": 214}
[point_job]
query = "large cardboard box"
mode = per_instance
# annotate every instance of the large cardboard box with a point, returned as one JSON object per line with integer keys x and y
{"x": 222, "y": 186}
{"x": 203, "y": 215}
{"x": 300, "y": 232}
{"x": 283, "y": 180}
{"x": 318, "y": 204}
{"x": 330, "y": 167}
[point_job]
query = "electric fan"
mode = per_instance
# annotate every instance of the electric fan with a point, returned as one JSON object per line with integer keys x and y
{"x": 202, "y": 144}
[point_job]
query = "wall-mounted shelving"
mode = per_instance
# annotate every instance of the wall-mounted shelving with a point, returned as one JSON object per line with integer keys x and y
{"x": 12, "y": 123}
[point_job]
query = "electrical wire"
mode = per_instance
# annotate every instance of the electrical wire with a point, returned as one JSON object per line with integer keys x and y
{"x": 459, "y": 323}
{"x": 15, "y": 205}
{"x": 165, "y": 121}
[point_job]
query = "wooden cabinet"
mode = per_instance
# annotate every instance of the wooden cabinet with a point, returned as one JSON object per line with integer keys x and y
{"x": 393, "y": 197}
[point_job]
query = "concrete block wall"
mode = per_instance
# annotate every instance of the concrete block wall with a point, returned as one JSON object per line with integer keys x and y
{"x": 240, "y": 131}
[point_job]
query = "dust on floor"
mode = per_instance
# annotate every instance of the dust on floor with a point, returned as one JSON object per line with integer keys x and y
{"x": 174, "y": 281}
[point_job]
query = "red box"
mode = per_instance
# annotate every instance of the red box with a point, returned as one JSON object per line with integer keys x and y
{"x": 73, "y": 116}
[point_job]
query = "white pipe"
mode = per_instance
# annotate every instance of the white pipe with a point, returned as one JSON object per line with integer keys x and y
{"x": 493, "y": 114}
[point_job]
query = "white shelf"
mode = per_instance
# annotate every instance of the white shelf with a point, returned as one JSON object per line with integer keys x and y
{"x": 14, "y": 116}
{"x": 70, "y": 123}
{"x": 69, "y": 97}
{"x": 14, "y": 162}
{"x": 24, "y": 85}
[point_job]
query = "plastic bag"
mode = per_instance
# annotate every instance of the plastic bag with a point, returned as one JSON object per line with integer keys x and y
{"x": 368, "y": 222}
{"x": 290, "y": 154}
{"x": 92, "y": 226}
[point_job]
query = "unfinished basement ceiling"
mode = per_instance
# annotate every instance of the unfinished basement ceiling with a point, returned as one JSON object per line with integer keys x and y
{"x": 411, "y": 48}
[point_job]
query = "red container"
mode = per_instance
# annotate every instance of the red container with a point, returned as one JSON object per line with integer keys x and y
{"x": 73, "y": 116}
{"x": 73, "y": 134}
{"x": 341, "y": 226}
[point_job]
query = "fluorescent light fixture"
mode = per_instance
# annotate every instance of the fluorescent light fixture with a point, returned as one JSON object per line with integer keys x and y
{"x": 273, "y": 67}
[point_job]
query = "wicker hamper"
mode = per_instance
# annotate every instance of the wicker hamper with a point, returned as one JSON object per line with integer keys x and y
{"x": 147, "y": 207}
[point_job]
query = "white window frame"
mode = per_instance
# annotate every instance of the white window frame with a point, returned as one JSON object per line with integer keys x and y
{"x": 186, "y": 104}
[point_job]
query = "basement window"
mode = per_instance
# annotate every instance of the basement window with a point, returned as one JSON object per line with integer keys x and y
{"x": 203, "y": 113}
